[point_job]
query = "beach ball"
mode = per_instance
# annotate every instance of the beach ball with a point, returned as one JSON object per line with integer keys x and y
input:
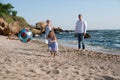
{"x": 25, "y": 35}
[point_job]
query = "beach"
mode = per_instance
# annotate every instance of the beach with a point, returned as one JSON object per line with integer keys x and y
{"x": 32, "y": 61}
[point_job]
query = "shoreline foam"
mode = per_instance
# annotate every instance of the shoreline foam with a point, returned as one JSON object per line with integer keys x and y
{"x": 94, "y": 48}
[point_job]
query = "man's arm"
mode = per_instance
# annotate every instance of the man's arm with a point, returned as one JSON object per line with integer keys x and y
{"x": 85, "y": 27}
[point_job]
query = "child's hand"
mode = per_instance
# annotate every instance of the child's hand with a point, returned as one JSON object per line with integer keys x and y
{"x": 52, "y": 41}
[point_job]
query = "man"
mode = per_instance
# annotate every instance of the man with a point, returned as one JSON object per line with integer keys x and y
{"x": 80, "y": 31}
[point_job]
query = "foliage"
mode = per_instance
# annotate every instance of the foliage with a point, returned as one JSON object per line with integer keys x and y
{"x": 10, "y": 15}
{"x": 6, "y": 12}
{"x": 14, "y": 13}
{"x": 22, "y": 21}
{"x": 6, "y": 8}
{"x": 7, "y": 18}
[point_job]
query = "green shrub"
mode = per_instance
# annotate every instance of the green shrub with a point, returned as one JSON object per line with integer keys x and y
{"x": 7, "y": 18}
{"x": 22, "y": 21}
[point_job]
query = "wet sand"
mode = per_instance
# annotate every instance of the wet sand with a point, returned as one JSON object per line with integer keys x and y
{"x": 32, "y": 61}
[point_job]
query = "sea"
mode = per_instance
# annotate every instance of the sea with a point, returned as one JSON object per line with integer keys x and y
{"x": 106, "y": 41}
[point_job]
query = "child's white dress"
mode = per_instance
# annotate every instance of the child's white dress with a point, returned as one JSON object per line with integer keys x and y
{"x": 53, "y": 46}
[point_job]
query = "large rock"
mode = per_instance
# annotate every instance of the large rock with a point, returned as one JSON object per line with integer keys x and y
{"x": 3, "y": 23}
{"x": 9, "y": 29}
{"x": 58, "y": 30}
{"x": 36, "y": 31}
{"x": 41, "y": 26}
{"x": 1, "y": 30}
{"x": 3, "y": 26}
{"x": 12, "y": 29}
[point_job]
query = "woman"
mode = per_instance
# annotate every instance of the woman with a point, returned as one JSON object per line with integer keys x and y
{"x": 49, "y": 28}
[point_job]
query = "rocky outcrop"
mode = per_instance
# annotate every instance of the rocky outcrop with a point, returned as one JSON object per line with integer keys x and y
{"x": 41, "y": 26}
{"x": 3, "y": 26}
{"x": 9, "y": 29}
{"x": 19, "y": 23}
{"x": 58, "y": 30}
{"x": 14, "y": 28}
{"x": 36, "y": 31}
{"x": 3, "y": 23}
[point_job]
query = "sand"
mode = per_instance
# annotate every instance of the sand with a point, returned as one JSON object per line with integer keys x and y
{"x": 32, "y": 61}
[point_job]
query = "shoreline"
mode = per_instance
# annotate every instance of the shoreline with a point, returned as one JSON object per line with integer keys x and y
{"x": 32, "y": 61}
{"x": 94, "y": 48}
{"x": 74, "y": 44}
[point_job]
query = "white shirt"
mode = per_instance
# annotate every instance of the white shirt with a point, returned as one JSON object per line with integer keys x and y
{"x": 81, "y": 27}
{"x": 47, "y": 30}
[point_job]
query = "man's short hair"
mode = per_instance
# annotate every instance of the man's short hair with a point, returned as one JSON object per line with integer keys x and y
{"x": 48, "y": 20}
{"x": 80, "y": 15}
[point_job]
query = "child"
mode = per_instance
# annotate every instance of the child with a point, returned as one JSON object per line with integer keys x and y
{"x": 52, "y": 43}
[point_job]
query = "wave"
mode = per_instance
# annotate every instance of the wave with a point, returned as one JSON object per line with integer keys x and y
{"x": 100, "y": 39}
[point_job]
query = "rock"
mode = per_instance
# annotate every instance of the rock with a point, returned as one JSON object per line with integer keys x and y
{"x": 11, "y": 29}
{"x": 36, "y": 31}
{"x": 41, "y": 26}
{"x": 8, "y": 29}
{"x": 1, "y": 30}
{"x": 3, "y": 25}
{"x": 67, "y": 31}
{"x": 58, "y": 30}
{"x": 14, "y": 28}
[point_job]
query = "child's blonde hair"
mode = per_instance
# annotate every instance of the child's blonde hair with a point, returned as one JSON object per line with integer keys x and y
{"x": 52, "y": 35}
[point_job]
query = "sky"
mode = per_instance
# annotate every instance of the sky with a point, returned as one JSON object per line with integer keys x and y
{"x": 99, "y": 14}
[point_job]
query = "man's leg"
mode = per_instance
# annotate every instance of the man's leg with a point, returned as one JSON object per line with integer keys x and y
{"x": 82, "y": 39}
{"x": 83, "y": 45}
{"x": 79, "y": 44}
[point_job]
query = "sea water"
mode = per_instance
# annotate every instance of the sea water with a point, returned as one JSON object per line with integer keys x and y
{"x": 107, "y": 41}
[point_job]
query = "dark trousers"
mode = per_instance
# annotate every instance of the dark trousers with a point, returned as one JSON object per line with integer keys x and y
{"x": 81, "y": 41}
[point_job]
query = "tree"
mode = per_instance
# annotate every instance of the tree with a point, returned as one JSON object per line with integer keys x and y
{"x": 14, "y": 13}
{"x": 7, "y": 9}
